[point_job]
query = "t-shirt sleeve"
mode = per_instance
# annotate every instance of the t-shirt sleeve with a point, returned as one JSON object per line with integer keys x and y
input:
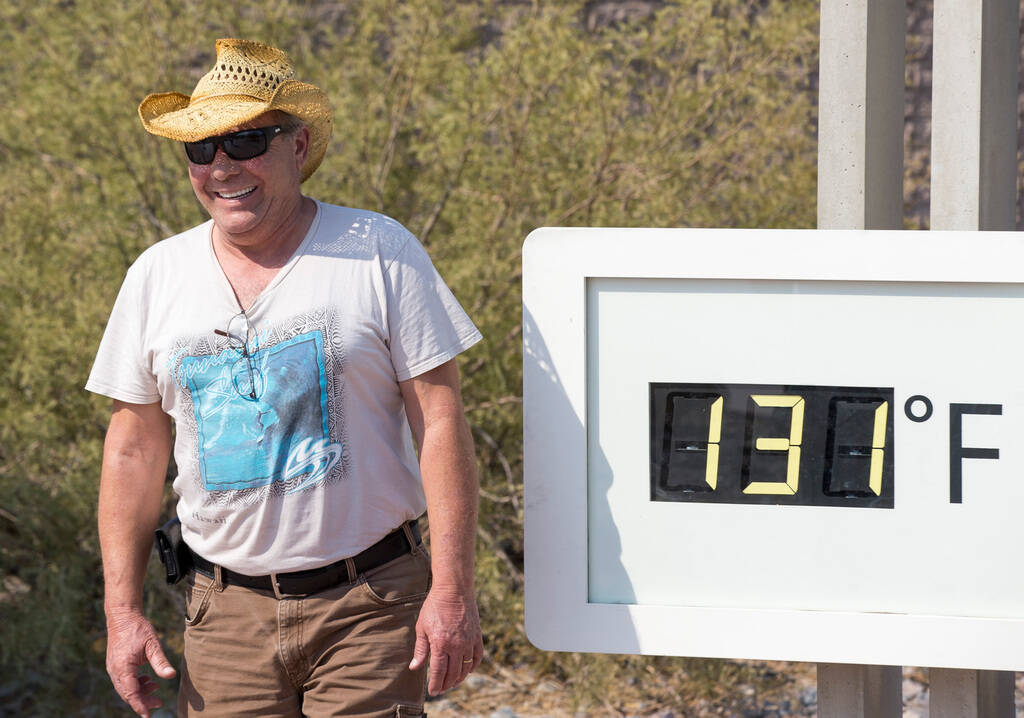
{"x": 426, "y": 324}
{"x": 121, "y": 370}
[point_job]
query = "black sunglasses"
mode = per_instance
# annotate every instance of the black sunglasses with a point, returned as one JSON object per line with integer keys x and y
{"x": 241, "y": 145}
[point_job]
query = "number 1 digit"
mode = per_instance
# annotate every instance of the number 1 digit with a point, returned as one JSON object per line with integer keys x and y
{"x": 714, "y": 437}
{"x": 878, "y": 448}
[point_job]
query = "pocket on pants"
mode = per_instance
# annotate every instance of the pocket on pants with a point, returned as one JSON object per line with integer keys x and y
{"x": 404, "y": 580}
{"x": 198, "y": 592}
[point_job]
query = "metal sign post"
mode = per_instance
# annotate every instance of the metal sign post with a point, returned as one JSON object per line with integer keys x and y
{"x": 860, "y": 186}
{"x": 976, "y": 50}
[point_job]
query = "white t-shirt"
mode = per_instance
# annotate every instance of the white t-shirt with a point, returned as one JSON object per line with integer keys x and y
{"x": 292, "y": 448}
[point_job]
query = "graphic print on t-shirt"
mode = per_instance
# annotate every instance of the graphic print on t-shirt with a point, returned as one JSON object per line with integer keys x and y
{"x": 262, "y": 420}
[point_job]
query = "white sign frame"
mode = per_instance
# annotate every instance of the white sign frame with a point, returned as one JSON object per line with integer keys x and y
{"x": 557, "y": 264}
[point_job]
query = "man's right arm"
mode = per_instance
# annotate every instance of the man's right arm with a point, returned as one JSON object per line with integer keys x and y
{"x": 135, "y": 456}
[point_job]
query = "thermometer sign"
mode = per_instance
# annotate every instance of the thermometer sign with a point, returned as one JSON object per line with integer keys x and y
{"x": 842, "y": 484}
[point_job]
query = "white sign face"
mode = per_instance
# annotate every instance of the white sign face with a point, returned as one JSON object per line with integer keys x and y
{"x": 776, "y": 444}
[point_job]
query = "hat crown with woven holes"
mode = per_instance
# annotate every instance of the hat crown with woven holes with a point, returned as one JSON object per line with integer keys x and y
{"x": 245, "y": 68}
{"x": 247, "y": 80}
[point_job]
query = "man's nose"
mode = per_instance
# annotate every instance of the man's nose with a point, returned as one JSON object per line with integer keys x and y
{"x": 222, "y": 163}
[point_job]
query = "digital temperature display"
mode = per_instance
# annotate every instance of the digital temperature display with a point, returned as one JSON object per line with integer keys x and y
{"x": 734, "y": 437}
{"x": 772, "y": 444}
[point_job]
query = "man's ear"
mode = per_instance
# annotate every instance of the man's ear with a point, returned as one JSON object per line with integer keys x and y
{"x": 301, "y": 146}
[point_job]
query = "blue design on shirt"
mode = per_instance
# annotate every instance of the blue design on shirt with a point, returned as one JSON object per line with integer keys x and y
{"x": 280, "y": 435}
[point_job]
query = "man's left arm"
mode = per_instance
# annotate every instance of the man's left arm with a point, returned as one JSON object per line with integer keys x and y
{"x": 448, "y": 628}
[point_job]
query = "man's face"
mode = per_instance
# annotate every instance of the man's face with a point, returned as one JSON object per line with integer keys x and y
{"x": 250, "y": 199}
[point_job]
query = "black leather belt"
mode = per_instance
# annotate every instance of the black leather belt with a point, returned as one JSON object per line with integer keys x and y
{"x": 314, "y": 580}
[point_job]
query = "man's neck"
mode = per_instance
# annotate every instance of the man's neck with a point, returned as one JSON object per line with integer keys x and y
{"x": 250, "y": 264}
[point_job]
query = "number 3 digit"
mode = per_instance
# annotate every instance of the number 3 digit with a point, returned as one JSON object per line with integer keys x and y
{"x": 790, "y": 445}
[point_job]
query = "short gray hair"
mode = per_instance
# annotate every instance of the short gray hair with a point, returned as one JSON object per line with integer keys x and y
{"x": 290, "y": 123}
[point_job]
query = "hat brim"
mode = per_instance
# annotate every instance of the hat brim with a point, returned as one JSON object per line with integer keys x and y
{"x": 179, "y": 117}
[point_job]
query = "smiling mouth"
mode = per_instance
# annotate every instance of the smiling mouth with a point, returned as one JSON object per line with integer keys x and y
{"x": 236, "y": 195}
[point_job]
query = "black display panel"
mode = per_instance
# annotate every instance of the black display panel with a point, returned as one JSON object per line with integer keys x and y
{"x": 772, "y": 444}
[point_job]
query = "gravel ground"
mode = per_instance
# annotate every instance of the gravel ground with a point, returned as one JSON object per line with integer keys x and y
{"x": 483, "y": 696}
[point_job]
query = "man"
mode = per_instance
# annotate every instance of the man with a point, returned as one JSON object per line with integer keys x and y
{"x": 293, "y": 344}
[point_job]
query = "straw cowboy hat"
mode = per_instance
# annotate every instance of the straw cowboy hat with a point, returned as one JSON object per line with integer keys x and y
{"x": 248, "y": 79}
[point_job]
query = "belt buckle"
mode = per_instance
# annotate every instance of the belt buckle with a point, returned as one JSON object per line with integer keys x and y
{"x": 275, "y": 583}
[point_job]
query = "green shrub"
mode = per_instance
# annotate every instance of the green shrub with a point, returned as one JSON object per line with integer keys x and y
{"x": 471, "y": 122}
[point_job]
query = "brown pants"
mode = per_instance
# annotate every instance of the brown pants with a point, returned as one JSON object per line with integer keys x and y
{"x": 342, "y": 652}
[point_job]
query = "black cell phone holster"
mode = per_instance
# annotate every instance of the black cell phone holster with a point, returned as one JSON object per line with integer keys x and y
{"x": 174, "y": 553}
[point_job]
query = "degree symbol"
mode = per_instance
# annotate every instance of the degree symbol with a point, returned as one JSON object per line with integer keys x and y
{"x": 908, "y": 408}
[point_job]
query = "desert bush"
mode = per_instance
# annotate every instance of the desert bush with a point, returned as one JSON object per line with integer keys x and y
{"x": 473, "y": 123}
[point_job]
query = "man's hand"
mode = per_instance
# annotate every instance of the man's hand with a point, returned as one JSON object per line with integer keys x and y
{"x": 132, "y": 642}
{"x": 448, "y": 630}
